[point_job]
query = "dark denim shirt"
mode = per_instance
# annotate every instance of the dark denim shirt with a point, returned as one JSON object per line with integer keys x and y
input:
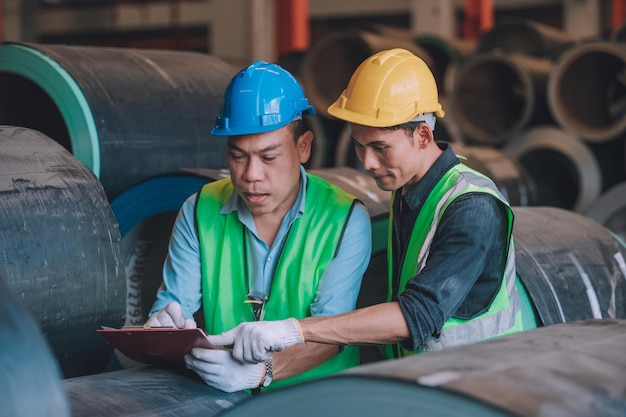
{"x": 467, "y": 256}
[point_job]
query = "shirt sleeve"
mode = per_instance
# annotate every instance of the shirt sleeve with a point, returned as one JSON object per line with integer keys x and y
{"x": 181, "y": 269}
{"x": 340, "y": 284}
{"x": 473, "y": 232}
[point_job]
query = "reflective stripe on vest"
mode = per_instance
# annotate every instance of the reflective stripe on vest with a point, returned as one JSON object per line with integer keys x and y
{"x": 504, "y": 313}
{"x": 316, "y": 234}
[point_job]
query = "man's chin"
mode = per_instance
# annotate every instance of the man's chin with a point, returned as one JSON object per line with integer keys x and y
{"x": 385, "y": 183}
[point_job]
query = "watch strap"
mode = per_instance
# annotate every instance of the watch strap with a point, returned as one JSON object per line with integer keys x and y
{"x": 269, "y": 374}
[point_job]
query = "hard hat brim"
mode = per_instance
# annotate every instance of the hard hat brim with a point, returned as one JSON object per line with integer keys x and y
{"x": 352, "y": 117}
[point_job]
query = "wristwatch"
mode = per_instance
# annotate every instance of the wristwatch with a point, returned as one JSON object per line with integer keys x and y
{"x": 269, "y": 375}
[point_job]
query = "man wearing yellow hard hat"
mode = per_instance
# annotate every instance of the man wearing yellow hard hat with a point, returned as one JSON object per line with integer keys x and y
{"x": 452, "y": 278}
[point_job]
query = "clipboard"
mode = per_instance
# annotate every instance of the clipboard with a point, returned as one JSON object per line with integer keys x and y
{"x": 166, "y": 346}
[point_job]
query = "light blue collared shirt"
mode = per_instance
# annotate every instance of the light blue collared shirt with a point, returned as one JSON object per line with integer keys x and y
{"x": 339, "y": 286}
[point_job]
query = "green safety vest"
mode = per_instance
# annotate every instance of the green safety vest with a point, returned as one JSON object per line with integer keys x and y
{"x": 504, "y": 314}
{"x": 310, "y": 245}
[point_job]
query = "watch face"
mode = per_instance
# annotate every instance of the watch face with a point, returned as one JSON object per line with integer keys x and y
{"x": 266, "y": 381}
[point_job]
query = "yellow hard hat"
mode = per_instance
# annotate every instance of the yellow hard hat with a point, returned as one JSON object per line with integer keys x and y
{"x": 389, "y": 88}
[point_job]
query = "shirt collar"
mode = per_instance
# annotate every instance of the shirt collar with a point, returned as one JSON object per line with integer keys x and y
{"x": 416, "y": 196}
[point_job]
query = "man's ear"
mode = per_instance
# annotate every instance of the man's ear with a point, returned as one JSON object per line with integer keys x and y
{"x": 423, "y": 136}
{"x": 304, "y": 146}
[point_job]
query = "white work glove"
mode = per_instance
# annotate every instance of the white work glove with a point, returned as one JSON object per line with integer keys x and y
{"x": 219, "y": 369}
{"x": 254, "y": 342}
{"x": 171, "y": 315}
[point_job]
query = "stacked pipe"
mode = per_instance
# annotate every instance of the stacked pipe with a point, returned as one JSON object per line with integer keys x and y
{"x": 555, "y": 104}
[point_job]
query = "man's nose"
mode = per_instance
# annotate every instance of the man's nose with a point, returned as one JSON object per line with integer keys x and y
{"x": 254, "y": 170}
{"x": 369, "y": 159}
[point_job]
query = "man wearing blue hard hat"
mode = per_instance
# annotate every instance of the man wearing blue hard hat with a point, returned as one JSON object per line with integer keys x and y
{"x": 268, "y": 243}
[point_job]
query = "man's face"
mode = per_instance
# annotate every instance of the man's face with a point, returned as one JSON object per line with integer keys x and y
{"x": 391, "y": 156}
{"x": 265, "y": 169}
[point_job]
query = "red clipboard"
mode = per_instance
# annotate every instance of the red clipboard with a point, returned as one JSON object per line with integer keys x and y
{"x": 155, "y": 345}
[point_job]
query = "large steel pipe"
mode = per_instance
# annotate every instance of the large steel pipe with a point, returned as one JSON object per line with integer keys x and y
{"x": 30, "y": 378}
{"x": 574, "y": 369}
{"x": 127, "y": 114}
{"x": 146, "y": 214}
{"x": 610, "y": 209}
{"x": 586, "y": 90}
{"x": 572, "y": 266}
{"x": 60, "y": 247}
{"x": 564, "y": 169}
{"x": 497, "y": 96}
{"x": 611, "y": 156}
{"x": 330, "y": 62}
{"x": 146, "y": 391}
{"x": 321, "y": 142}
{"x": 525, "y": 37}
{"x": 448, "y": 54}
{"x": 506, "y": 172}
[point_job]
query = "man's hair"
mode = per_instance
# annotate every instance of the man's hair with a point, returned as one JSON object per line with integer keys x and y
{"x": 408, "y": 127}
{"x": 297, "y": 129}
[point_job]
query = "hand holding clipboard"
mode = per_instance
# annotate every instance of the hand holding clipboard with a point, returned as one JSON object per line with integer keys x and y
{"x": 165, "y": 346}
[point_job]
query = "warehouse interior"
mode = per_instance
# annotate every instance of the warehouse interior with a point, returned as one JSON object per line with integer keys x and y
{"x": 241, "y": 31}
{"x": 106, "y": 109}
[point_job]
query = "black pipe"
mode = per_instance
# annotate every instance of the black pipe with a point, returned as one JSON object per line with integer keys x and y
{"x": 146, "y": 214}
{"x": 574, "y": 369}
{"x": 128, "y": 114}
{"x": 572, "y": 266}
{"x": 498, "y": 95}
{"x": 508, "y": 174}
{"x": 586, "y": 90}
{"x": 30, "y": 378}
{"x": 610, "y": 210}
{"x": 448, "y": 54}
{"x": 526, "y": 37}
{"x": 60, "y": 247}
{"x": 146, "y": 391}
{"x": 565, "y": 170}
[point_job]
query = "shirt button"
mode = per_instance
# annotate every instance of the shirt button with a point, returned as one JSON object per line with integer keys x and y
{"x": 269, "y": 259}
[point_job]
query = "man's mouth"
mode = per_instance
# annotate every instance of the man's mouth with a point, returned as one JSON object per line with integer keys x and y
{"x": 255, "y": 198}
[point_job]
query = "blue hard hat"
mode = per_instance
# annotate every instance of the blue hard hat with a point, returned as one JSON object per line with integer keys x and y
{"x": 260, "y": 98}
